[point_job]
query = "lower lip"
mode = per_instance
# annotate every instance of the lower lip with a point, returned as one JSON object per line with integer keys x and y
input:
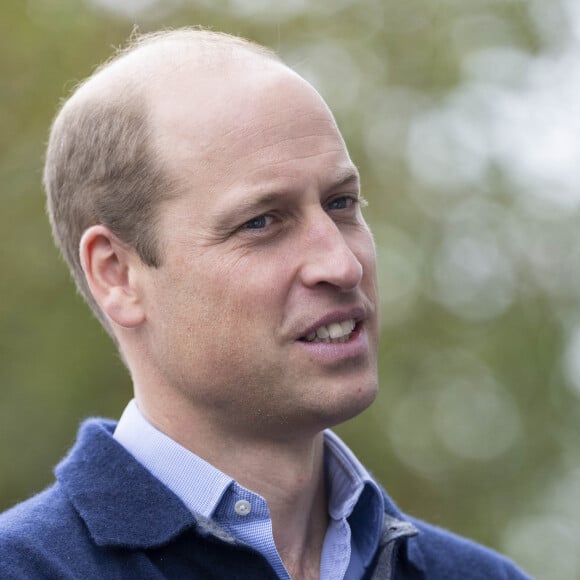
{"x": 357, "y": 346}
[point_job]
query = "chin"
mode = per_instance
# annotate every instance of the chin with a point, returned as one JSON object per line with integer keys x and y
{"x": 352, "y": 404}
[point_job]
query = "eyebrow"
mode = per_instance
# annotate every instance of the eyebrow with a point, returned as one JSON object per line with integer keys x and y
{"x": 252, "y": 206}
{"x": 243, "y": 208}
{"x": 349, "y": 176}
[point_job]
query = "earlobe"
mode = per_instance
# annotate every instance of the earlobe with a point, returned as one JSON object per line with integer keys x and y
{"x": 110, "y": 270}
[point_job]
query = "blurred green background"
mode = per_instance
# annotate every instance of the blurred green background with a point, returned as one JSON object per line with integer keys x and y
{"x": 464, "y": 118}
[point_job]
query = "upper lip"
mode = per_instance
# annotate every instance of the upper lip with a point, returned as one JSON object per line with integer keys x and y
{"x": 356, "y": 313}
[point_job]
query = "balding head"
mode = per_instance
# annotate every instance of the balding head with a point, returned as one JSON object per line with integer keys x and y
{"x": 103, "y": 163}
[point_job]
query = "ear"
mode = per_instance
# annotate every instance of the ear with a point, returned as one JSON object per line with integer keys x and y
{"x": 111, "y": 269}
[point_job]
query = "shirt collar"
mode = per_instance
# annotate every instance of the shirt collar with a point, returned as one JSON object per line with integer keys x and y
{"x": 346, "y": 477}
{"x": 196, "y": 482}
{"x": 352, "y": 492}
{"x": 122, "y": 504}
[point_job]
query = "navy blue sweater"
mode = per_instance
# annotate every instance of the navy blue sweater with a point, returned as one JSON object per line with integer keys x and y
{"x": 107, "y": 517}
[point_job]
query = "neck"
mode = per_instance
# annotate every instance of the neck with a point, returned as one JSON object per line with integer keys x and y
{"x": 292, "y": 481}
{"x": 287, "y": 472}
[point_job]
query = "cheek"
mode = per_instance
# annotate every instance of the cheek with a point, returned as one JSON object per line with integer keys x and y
{"x": 221, "y": 298}
{"x": 255, "y": 286}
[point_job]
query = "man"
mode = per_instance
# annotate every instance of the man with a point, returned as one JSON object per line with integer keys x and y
{"x": 204, "y": 199}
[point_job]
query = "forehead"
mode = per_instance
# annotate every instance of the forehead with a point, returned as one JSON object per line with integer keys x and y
{"x": 257, "y": 123}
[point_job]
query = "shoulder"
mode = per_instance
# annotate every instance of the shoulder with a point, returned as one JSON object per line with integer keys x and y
{"x": 34, "y": 518}
{"x": 36, "y": 536}
{"x": 447, "y": 555}
{"x": 46, "y": 535}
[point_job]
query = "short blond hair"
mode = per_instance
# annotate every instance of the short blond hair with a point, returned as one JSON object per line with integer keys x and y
{"x": 101, "y": 167}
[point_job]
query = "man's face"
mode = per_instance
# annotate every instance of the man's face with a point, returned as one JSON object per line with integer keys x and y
{"x": 263, "y": 314}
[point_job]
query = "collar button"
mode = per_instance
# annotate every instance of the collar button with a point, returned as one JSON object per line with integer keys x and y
{"x": 243, "y": 507}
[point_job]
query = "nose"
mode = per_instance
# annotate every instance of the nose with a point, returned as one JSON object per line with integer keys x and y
{"x": 327, "y": 256}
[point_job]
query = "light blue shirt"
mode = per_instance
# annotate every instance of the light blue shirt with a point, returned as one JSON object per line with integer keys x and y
{"x": 355, "y": 502}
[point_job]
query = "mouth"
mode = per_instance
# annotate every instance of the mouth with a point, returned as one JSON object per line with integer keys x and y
{"x": 335, "y": 332}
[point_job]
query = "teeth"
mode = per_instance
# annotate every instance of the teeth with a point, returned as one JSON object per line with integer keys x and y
{"x": 333, "y": 332}
{"x": 347, "y": 326}
{"x": 323, "y": 332}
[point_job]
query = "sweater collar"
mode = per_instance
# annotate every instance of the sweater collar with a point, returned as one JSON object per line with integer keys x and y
{"x": 121, "y": 503}
{"x": 124, "y": 505}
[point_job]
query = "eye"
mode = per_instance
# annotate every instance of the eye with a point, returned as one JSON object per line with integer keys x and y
{"x": 257, "y": 223}
{"x": 342, "y": 202}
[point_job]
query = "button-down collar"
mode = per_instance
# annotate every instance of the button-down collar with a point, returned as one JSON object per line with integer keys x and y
{"x": 355, "y": 501}
{"x": 124, "y": 506}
